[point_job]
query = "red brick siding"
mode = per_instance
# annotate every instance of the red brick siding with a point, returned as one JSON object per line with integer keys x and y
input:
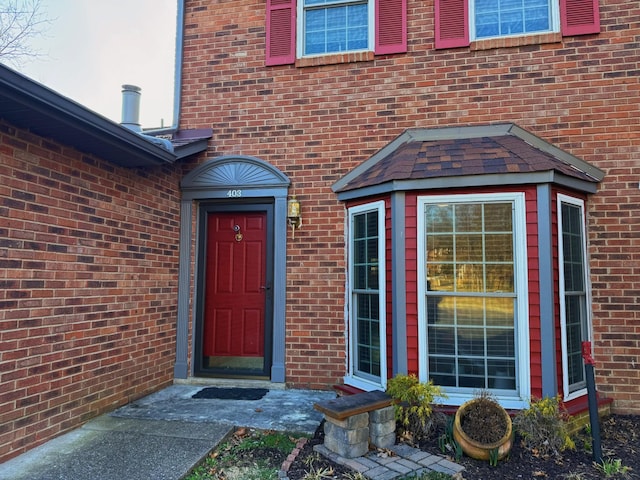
{"x": 317, "y": 123}
{"x": 88, "y": 277}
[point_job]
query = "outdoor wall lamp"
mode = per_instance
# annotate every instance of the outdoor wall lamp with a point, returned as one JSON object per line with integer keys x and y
{"x": 294, "y": 217}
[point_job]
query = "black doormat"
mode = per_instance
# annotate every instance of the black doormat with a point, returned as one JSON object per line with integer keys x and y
{"x": 231, "y": 393}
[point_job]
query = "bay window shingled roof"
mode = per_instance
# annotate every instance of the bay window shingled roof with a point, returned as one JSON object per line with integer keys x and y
{"x": 466, "y": 156}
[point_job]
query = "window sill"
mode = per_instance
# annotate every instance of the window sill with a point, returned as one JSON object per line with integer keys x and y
{"x": 506, "y": 42}
{"x": 362, "y": 384}
{"x": 335, "y": 59}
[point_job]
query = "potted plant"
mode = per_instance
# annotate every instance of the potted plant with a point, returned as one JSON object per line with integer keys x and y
{"x": 483, "y": 429}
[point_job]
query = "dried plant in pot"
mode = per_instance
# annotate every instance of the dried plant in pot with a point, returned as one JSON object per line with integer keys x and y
{"x": 483, "y": 428}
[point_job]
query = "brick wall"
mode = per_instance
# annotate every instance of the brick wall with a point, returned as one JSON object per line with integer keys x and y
{"x": 88, "y": 286}
{"x": 317, "y": 122}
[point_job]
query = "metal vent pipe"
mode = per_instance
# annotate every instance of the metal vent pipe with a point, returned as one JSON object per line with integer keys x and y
{"x": 131, "y": 108}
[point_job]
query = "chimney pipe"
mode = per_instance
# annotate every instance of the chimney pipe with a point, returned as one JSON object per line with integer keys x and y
{"x": 131, "y": 108}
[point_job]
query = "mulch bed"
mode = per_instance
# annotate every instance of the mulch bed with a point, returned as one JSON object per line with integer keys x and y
{"x": 620, "y": 438}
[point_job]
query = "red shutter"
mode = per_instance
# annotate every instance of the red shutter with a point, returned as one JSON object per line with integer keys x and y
{"x": 281, "y": 32}
{"x": 452, "y": 23}
{"x": 391, "y": 26}
{"x": 579, "y": 17}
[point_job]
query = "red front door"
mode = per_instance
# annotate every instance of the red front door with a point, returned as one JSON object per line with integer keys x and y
{"x": 235, "y": 292}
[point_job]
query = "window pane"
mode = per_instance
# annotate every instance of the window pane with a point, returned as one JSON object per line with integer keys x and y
{"x": 360, "y": 250}
{"x": 468, "y": 218}
{"x": 502, "y": 375}
{"x": 368, "y": 334}
{"x": 470, "y": 278}
{"x": 338, "y": 27}
{"x": 439, "y": 218}
{"x": 441, "y": 341}
{"x": 511, "y": 17}
{"x": 572, "y": 248}
{"x": 365, "y": 251}
{"x": 469, "y": 248}
{"x": 469, "y": 311}
{"x": 500, "y": 312}
{"x": 576, "y": 334}
{"x": 471, "y": 342}
{"x": 497, "y": 218}
{"x": 360, "y": 277}
{"x": 500, "y": 277}
{"x": 472, "y": 373}
{"x": 442, "y": 371}
{"x": 499, "y": 247}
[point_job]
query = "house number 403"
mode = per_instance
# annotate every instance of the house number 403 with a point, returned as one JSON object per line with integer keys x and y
{"x": 234, "y": 193}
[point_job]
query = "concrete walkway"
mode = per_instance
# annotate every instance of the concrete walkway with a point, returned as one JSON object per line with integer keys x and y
{"x": 163, "y": 436}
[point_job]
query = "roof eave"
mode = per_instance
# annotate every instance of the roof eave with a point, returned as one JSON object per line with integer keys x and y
{"x": 470, "y": 181}
{"x": 32, "y": 106}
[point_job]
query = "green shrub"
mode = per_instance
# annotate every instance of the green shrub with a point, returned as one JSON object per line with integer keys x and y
{"x": 543, "y": 427}
{"x": 414, "y": 403}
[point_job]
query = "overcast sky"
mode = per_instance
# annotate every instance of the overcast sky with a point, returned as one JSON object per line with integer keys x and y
{"x": 93, "y": 47}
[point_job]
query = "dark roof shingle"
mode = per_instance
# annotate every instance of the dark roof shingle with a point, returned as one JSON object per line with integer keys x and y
{"x": 490, "y": 150}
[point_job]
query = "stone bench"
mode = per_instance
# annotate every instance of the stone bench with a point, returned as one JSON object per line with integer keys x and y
{"x": 353, "y": 422}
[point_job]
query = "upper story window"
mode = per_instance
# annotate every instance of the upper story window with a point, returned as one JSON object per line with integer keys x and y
{"x": 331, "y": 26}
{"x": 499, "y": 18}
{"x": 310, "y": 28}
{"x": 459, "y": 22}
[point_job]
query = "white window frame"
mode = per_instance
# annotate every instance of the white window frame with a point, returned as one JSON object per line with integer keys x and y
{"x": 563, "y": 314}
{"x": 521, "y": 327}
{"x": 300, "y": 34}
{"x": 352, "y": 377}
{"x": 554, "y": 21}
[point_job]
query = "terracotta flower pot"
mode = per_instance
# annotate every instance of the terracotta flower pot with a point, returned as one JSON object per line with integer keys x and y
{"x": 478, "y": 450}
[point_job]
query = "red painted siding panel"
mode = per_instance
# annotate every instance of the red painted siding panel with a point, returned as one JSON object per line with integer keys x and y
{"x": 389, "y": 284}
{"x": 411, "y": 242}
{"x": 533, "y": 269}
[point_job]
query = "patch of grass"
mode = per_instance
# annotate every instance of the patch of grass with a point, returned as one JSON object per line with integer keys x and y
{"x": 248, "y": 455}
{"x": 316, "y": 473}
{"x": 574, "y": 476}
{"x": 611, "y": 467}
{"x": 277, "y": 440}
